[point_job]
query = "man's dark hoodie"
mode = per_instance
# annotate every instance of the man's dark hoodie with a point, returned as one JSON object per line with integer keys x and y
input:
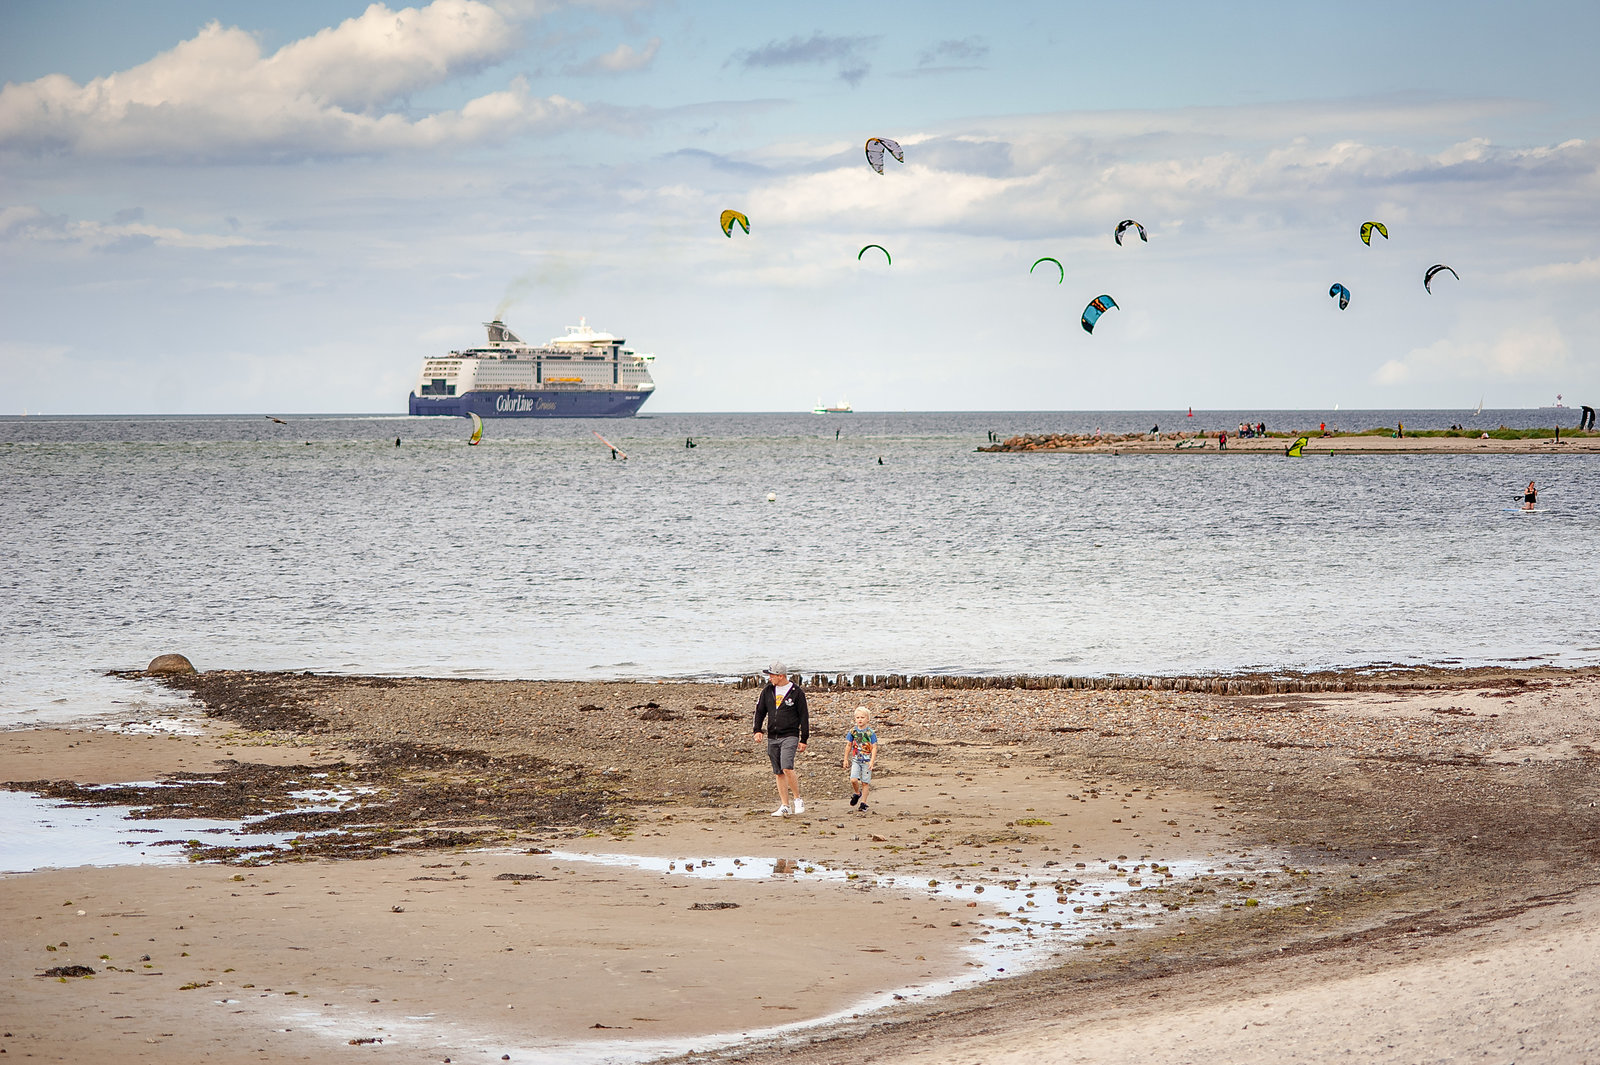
{"x": 789, "y": 718}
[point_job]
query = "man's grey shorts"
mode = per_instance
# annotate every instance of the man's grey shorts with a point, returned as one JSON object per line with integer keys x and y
{"x": 781, "y": 750}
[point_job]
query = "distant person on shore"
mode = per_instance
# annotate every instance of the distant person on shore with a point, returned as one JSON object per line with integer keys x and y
{"x": 781, "y": 706}
{"x": 1400, "y": 430}
{"x": 1530, "y": 497}
{"x": 860, "y": 755}
{"x": 1222, "y": 441}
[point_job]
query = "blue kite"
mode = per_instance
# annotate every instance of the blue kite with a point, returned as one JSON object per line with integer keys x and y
{"x": 1343, "y": 294}
{"x": 1097, "y": 306}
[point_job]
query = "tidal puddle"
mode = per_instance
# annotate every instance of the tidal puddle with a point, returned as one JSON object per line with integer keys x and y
{"x": 44, "y": 833}
{"x": 1021, "y": 920}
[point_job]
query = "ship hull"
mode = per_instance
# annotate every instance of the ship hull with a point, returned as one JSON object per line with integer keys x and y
{"x": 532, "y": 403}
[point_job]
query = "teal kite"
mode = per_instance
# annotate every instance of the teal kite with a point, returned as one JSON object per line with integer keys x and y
{"x": 1097, "y": 306}
{"x": 1343, "y": 294}
{"x": 880, "y": 247}
{"x": 1048, "y": 259}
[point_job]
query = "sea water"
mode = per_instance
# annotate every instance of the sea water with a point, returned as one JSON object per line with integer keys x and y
{"x": 319, "y": 544}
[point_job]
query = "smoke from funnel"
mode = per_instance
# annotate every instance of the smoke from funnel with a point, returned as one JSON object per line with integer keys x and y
{"x": 558, "y": 274}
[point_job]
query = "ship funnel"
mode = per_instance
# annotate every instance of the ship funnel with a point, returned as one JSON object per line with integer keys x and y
{"x": 499, "y": 334}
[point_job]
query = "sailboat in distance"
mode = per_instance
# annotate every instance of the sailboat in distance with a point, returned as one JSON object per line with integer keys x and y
{"x": 1480, "y": 407}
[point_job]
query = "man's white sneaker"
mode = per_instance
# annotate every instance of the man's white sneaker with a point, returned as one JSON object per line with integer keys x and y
{"x": 799, "y": 805}
{"x": 782, "y": 811}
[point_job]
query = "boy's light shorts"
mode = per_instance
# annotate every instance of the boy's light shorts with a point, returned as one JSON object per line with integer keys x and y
{"x": 861, "y": 771}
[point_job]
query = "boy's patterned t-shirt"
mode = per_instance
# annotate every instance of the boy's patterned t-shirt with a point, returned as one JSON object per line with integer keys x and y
{"x": 861, "y": 741}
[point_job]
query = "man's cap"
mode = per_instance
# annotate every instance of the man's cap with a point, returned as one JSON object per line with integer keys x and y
{"x": 777, "y": 669}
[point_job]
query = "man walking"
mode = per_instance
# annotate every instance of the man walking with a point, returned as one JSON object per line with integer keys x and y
{"x": 782, "y": 706}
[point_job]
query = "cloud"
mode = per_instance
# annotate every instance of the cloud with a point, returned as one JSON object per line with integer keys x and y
{"x": 622, "y": 59}
{"x": 339, "y": 91}
{"x": 1069, "y": 173}
{"x": 945, "y": 53}
{"x": 1584, "y": 270}
{"x": 1533, "y": 349}
{"x": 817, "y": 50}
{"x": 29, "y": 223}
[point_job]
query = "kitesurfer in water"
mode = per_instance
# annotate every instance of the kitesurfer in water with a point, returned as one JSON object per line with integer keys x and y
{"x": 1530, "y": 497}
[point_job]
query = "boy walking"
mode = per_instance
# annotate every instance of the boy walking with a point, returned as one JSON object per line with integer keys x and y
{"x": 861, "y": 754}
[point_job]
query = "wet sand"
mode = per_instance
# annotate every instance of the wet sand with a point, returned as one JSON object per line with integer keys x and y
{"x": 1409, "y": 862}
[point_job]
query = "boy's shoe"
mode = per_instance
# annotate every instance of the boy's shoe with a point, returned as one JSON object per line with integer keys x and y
{"x": 782, "y": 811}
{"x": 799, "y": 805}
{"x": 855, "y": 797}
{"x": 862, "y": 807}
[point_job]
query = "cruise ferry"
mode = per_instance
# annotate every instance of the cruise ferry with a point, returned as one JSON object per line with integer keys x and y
{"x": 585, "y": 374}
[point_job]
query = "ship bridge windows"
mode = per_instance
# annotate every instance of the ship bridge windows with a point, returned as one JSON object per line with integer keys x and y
{"x": 438, "y": 387}
{"x": 595, "y": 358}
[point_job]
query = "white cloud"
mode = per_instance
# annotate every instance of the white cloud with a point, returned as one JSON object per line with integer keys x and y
{"x": 622, "y": 59}
{"x": 1584, "y": 270}
{"x": 335, "y": 92}
{"x": 1530, "y": 350}
{"x": 30, "y": 223}
{"x": 1054, "y": 175}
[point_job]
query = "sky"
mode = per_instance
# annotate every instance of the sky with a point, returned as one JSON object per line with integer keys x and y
{"x": 228, "y": 207}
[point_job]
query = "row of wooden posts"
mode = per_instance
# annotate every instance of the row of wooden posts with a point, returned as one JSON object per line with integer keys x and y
{"x": 1213, "y": 685}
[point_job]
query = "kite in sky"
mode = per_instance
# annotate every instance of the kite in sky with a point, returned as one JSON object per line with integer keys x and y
{"x": 876, "y": 146}
{"x": 1124, "y": 224}
{"x": 1048, "y": 259}
{"x": 1343, "y": 294}
{"x": 1368, "y": 227}
{"x": 880, "y": 247}
{"x": 1097, "y": 306}
{"x": 1427, "y": 278}
{"x": 729, "y": 218}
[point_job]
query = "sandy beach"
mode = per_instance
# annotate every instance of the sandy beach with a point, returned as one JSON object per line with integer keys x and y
{"x": 547, "y": 871}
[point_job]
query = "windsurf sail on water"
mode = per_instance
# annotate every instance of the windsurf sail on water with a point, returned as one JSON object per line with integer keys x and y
{"x": 477, "y": 428}
{"x": 609, "y": 444}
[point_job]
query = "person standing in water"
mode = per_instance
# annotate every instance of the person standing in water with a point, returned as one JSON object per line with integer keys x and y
{"x": 781, "y": 706}
{"x": 1530, "y": 497}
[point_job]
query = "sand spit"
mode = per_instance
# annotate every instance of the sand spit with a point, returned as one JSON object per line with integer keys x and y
{"x": 1344, "y": 444}
{"x": 1407, "y": 861}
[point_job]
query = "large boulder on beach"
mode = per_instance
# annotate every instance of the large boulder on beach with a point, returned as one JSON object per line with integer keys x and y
{"x": 166, "y": 665}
